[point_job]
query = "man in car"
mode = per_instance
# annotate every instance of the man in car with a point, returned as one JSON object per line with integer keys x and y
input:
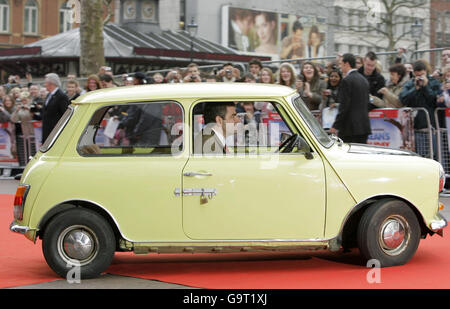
{"x": 220, "y": 125}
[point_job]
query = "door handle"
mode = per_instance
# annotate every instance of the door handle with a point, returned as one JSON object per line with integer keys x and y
{"x": 189, "y": 174}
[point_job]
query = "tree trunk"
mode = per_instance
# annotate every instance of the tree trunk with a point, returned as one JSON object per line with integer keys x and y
{"x": 92, "y": 53}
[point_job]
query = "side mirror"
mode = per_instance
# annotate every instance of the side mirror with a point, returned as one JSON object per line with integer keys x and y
{"x": 302, "y": 146}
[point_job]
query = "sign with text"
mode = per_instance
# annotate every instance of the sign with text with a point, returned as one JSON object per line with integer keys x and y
{"x": 392, "y": 128}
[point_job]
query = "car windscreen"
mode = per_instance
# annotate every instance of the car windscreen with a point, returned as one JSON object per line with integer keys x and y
{"x": 312, "y": 122}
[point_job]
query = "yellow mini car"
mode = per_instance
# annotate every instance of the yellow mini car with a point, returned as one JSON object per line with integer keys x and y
{"x": 217, "y": 168}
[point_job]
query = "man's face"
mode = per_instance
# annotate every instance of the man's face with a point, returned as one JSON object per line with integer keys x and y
{"x": 445, "y": 57}
{"x": 369, "y": 66}
{"x": 193, "y": 71}
{"x": 230, "y": 121}
{"x": 34, "y": 91}
{"x": 48, "y": 85}
{"x": 420, "y": 73}
{"x": 254, "y": 69}
{"x": 343, "y": 66}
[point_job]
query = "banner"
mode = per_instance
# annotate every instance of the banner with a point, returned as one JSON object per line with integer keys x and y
{"x": 392, "y": 128}
{"x": 281, "y": 36}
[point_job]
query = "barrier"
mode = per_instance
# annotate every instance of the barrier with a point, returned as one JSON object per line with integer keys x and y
{"x": 442, "y": 118}
{"x": 18, "y": 142}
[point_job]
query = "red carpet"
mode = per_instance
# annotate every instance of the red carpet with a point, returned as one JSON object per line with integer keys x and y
{"x": 22, "y": 263}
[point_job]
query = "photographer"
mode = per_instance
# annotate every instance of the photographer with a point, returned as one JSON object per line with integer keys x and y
{"x": 421, "y": 92}
{"x": 229, "y": 74}
{"x": 174, "y": 76}
{"x": 193, "y": 74}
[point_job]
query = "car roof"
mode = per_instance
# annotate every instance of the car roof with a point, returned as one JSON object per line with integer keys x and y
{"x": 177, "y": 91}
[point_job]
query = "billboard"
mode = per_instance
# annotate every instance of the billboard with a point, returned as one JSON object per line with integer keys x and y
{"x": 280, "y": 36}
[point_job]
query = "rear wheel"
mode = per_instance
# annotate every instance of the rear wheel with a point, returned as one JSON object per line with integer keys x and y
{"x": 79, "y": 238}
{"x": 388, "y": 232}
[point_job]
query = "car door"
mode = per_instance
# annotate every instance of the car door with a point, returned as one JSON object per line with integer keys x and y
{"x": 260, "y": 195}
{"x": 134, "y": 152}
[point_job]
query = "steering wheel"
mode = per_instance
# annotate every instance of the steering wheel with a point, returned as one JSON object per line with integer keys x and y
{"x": 289, "y": 144}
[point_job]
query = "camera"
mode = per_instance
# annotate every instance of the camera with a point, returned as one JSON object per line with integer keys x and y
{"x": 228, "y": 71}
{"x": 192, "y": 77}
{"x": 420, "y": 81}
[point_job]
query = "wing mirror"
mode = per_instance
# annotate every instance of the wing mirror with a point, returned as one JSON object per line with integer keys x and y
{"x": 303, "y": 147}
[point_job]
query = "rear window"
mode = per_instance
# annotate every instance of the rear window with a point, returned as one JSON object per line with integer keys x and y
{"x": 51, "y": 139}
{"x": 154, "y": 128}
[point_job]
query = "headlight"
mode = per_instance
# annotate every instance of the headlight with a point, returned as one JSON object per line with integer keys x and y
{"x": 442, "y": 178}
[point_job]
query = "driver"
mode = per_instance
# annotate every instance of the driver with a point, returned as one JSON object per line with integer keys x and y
{"x": 220, "y": 123}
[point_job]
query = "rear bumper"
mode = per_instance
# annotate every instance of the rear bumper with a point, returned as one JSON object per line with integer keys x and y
{"x": 24, "y": 230}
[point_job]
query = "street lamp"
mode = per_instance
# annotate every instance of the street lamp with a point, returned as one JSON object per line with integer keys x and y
{"x": 192, "y": 29}
{"x": 416, "y": 33}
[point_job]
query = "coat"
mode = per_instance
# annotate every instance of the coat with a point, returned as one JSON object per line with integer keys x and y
{"x": 353, "y": 115}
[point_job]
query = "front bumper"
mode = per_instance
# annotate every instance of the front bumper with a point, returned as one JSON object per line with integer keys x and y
{"x": 24, "y": 230}
{"x": 438, "y": 226}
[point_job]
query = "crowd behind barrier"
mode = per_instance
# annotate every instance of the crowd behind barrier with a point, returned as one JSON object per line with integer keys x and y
{"x": 404, "y": 113}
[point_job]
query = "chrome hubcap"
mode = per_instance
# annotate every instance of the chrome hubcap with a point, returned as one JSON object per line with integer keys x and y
{"x": 394, "y": 235}
{"x": 77, "y": 243}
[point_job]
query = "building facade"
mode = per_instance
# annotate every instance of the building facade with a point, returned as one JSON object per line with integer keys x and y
{"x": 440, "y": 28}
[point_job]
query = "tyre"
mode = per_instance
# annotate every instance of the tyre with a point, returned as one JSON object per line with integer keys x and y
{"x": 388, "y": 232}
{"x": 79, "y": 238}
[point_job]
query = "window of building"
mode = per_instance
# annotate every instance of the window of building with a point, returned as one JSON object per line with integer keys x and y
{"x": 31, "y": 17}
{"x": 4, "y": 16}
{"x": 65, "y": 17}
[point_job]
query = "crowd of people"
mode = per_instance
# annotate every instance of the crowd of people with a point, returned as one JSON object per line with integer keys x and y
{"x": 409, "y": 85}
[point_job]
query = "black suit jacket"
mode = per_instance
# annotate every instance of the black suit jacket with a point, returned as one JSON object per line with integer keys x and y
{"x": 53, "y": 111}
{"x": 353, "y": 115}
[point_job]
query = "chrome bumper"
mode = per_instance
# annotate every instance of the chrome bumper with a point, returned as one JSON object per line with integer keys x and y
{"x": 18, "y": 229}
{"x": 438, "y": 226}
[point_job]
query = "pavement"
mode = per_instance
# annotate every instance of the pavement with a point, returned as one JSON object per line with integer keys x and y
{"x": 109, "y": 281}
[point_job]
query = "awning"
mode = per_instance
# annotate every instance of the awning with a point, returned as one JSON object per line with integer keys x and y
{"x": 124, "y": 43}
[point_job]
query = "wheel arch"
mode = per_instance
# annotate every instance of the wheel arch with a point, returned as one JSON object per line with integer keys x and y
{"x": 347, "y": 236}
{"x": 72, "y": 204}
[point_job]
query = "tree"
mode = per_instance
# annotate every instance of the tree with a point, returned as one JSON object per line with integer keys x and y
{"x": 92, "y": 54}
{"x": 384, "y": 18}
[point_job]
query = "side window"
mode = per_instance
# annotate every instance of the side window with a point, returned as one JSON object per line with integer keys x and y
{"x": 134, "y": 129}
{"x": 240, "y": 126}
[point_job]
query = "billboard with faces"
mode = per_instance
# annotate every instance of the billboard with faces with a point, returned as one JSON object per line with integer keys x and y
{"x": 281, "y": 36}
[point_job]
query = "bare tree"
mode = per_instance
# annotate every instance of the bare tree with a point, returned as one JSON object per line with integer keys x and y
{"x": 92, "y": 54}
{"x": 382, "y": 18}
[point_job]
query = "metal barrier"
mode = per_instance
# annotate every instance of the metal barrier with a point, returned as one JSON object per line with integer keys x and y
{"x": 443, "y": 150}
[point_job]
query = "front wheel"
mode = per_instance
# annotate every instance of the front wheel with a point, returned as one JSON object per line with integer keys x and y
{"x": 79, "y": 238}
{"x": 389, "y": 233}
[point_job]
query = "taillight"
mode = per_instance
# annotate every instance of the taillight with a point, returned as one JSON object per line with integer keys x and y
{"x": 441, "y": 179}
{"x": 19, "y": 201}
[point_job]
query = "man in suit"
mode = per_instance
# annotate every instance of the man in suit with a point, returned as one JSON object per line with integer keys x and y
{"x": 220, "y": 119}
{"x": 55, "y": 104}
{"x": 352, "y": 121}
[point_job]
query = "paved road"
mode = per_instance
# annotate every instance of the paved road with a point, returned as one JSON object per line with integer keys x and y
{"x": 117, "y": 282}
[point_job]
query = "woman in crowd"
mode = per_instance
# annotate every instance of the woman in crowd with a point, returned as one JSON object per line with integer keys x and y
{"x": 287, "y": 76}
{"x": 7, "y": 108}
{"x": 398, "y": 78}
{"x": 266, "y": 76}
{"x": 310, "y": 86}
{"x": 330, "y": 94}
{"x": 93, "y": 83}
